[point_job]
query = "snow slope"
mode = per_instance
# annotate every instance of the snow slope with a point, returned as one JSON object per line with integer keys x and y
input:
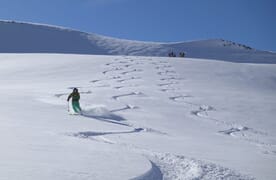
{"x": 143, "y": 118}
{"x": 21, "y": 37}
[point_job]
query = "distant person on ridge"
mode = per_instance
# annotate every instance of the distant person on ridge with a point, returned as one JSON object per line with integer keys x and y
{"x": 75, "y": 95}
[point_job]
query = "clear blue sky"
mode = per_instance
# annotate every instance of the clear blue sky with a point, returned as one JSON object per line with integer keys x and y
{"x": 250, "y": 22}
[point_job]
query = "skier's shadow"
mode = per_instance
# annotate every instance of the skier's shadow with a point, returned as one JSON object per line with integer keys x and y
{"x": 102, "y": 114}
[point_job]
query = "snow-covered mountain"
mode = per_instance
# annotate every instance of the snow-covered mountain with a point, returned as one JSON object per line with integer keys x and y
{"x": 19, "y": 37}
{"x": 143, "y": 118}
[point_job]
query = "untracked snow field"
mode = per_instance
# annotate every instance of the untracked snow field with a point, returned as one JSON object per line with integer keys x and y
{"x": 143, "y": 118}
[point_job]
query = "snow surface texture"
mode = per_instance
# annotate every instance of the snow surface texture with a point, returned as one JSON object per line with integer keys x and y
{"x": 18, "y": 37}
{"x": 143, "y": 118}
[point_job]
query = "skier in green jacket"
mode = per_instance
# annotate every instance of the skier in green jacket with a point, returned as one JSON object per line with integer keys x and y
{"x": 75, "y": 95}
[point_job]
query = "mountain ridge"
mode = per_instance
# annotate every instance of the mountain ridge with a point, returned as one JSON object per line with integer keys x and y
{"x": 24, "y": 37}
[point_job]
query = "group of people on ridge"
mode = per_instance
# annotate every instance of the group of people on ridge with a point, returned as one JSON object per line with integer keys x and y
{"x": 172, "y": 54}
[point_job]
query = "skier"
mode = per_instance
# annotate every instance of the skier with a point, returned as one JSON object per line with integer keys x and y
{"x": 75, "y": 95}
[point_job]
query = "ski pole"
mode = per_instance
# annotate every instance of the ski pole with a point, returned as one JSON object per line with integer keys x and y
{"x": 68, "y": 107}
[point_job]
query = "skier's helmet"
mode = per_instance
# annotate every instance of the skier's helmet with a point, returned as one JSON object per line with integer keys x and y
{"x": 75, "y": 90}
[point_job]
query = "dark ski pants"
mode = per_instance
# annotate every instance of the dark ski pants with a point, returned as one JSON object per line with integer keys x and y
{"x": 76, "y": 106}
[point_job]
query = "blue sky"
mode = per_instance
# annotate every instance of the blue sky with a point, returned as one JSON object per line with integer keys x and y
{"x": 250, "y": 22}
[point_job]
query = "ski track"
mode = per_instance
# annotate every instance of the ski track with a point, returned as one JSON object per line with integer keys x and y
{"x": 179, "y": 167}
{"x": 171, "y": 78}
{"x": 131, "y": 71}
{"x": 167, "y": 84}
{"x": 170, "y": 81}
{"x": 128, "y": 94}
{"x": 166, "y": 72}
{"x": 235, "y": 130}
{"x": 91, "y": 134}
{"x": 166, "y": 166}
{"x": 128, "y": 106}
{"x": 126, "y": 86}
{"x": 102, "y": 86}
{"x": 112, "y": 70}
{"x": 153, "y": 174}
{"x": 129, "y": 79}
{"x": 170, "y": 89}
{"x": 180, "y": 97}
{"x": 203, "y": 110}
